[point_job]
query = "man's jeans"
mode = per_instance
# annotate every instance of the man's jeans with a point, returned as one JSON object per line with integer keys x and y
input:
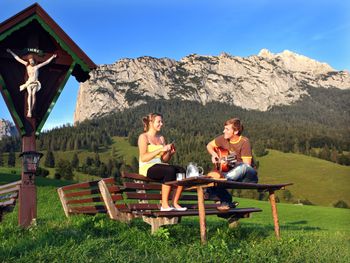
{"x": 242, "y": 173}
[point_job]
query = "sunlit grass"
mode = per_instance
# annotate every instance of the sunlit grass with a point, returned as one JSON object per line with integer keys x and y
{"x": 308, "y": 234}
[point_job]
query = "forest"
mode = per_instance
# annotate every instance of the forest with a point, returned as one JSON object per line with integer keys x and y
{"x": 318, "y": 126}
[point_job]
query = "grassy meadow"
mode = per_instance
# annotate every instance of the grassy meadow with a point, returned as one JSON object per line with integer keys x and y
{"x": 308, "y": 234}
{"x": 320, "y": 181}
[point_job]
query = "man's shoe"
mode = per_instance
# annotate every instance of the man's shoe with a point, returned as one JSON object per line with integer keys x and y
{"x": 223, "y": 207}
{"x": 233, "y": 204}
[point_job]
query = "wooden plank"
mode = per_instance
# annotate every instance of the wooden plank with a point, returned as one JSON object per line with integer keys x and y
{"x": 87, "y": 211}
{"x": 123, "y": 208}
{"x": 96, "y": 208}
{"x": 143, "y": 196}
{"x": 62, "y": 197}
{"x": 274, "y": 213}
{"x": 114, "y": 189}
{"x": 9, "y": 190}
{"x": 143, "y": 206}
{"x": 10, "y": 184}
{"x": 110, "y": 180}
{"x": 260, "y": 187}
{"x": 112, "y": 209}
{"x": 85, "y": 200}
{"x": 80, "y": 185}
{"x": 137, "y": 177}
{"x": 156, "y": 196}
{"x": 82, "y": 193}
{"x": 9, "y": 196}
{"x": 201, "y": 214}
{"x": 204, "y": 180}
{"x": 8, "y": 203}
{"x": 237, "y": 212}
{"x": 140, "y": 186}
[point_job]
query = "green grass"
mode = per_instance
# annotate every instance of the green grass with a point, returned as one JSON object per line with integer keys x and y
{"x": 308, "y": 234}
{"x": 319, "y": 181}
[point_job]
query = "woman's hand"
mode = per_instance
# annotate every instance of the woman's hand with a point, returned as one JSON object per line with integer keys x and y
{"x": 173, "y": 149}
{"x": 166, "y": 148}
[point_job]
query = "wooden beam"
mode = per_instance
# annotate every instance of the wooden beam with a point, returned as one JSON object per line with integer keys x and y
{"x": 274, "y": 213}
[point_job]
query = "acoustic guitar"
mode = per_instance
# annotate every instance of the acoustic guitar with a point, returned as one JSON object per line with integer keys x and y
{"x": 226, "y": 161}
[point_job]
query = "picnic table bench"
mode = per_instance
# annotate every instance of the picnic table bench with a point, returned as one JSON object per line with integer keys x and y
{"x": 139, "y": 196}
{"x": 81, "y": 198}
{"x": 8, "y": 196}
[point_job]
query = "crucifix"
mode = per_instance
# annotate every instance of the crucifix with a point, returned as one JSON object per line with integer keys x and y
{"x": 32, "y": 85}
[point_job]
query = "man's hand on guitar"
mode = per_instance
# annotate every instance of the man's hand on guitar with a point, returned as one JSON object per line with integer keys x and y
{"x": 214, "y": 157}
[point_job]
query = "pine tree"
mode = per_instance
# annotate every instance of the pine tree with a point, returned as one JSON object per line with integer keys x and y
{"x": 50, "y": 159}
{"x": 11, "y": 162}
{"x": 89, "y": 161}
{"x": 1, "y": 159}
{"x": 97, "y": 160}
{"x": 334, "y": 155}
{"x": 65, "y": 169}
{"x": 132, "y": 138}
{"x": 134, "y": 164}
{"x": 110, "y": 167}
{"x": 325, "y": 153}
{"x": 75, "y": 161}
{"x": 76, "y": 144}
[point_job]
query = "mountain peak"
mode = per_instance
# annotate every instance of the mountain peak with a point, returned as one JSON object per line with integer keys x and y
{"x": 296, "y": 62}
{"x": 7, "y": 128}
{"x": 255, "y": 82}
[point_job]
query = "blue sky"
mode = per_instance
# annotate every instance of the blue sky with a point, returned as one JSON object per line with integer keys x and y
{"x": 108, "y": 30}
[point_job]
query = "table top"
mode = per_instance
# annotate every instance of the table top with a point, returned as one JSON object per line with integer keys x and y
{"x": 205, "y": 180}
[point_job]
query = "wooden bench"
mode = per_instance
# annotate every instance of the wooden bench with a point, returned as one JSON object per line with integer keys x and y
{"x": 81, "y": 198}
{"x": 8, "y": 197}
{"x": 140, "y": 196}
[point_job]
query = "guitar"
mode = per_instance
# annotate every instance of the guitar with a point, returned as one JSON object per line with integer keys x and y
{"x": 226, "y": 161}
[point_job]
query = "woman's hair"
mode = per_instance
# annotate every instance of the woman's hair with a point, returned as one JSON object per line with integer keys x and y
{"x": 236, "y": 125}
{"x": 149, "y": 118}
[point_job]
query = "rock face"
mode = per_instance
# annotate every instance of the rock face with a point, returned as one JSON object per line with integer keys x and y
{"x": 255, "y": 82}
{"x": 7, "y": 129}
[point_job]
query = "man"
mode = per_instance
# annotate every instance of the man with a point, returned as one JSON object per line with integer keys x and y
{"x": 32, "y": 84}
{"x": 240, "y": 150}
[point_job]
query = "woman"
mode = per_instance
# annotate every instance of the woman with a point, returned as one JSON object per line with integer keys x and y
{"x": 154, "y": 155}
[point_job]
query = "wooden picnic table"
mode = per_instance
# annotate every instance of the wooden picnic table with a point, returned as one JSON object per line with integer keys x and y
{"x": 202, "y": 182}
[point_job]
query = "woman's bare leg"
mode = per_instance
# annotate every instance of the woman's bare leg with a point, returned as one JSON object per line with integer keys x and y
{"x": 165, "y": 195}
{"x": 177, "y": 196}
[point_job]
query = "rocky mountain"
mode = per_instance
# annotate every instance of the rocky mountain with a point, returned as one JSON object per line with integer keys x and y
{"x": 7, "y": 128}
{"x": 256, "y": 82}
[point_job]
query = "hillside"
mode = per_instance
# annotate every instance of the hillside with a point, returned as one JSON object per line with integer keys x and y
{"x": 321, "y": 182}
